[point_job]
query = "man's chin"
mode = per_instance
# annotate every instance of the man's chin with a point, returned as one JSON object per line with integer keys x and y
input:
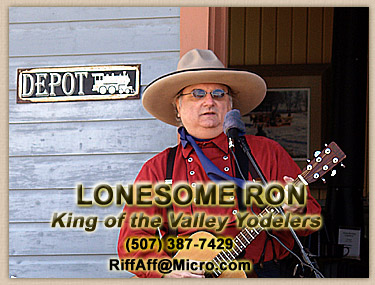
{"x": 209, "y": 122}
{"x": 210, "y": 125}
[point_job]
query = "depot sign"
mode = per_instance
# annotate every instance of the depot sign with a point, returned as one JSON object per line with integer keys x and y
{"x": 78, "y": 83}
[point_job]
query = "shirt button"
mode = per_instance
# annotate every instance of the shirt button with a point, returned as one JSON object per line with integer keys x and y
{"x": 226, "y": 168}
{"x": 234, "y": 212}
{"x": 225, "y": 157}
{"x": 190, "y": 159}
{"x": 192, "y": 172}
{"x": 193, "y": 184}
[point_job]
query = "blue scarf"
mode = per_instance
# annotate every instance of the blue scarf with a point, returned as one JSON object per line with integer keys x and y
{"x": 212, "y": 171}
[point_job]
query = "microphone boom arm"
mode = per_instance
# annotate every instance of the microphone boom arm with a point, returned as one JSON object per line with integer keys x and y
{"x": 252, "y": 160}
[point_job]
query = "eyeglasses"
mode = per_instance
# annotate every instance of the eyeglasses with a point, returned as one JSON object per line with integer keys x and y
{"x": 200, "y": 93}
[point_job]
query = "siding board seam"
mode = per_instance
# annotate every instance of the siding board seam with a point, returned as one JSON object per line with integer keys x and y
{"x": 83, "y": 154}
{"x": 81, "y": 121}
{"x": 96, "y": 20}
{"x": 91, "y": 54}
{"x": 324, "y": 30}
{"x": 260, "y": 36}
{"x": 276, "y": 33}
{"x": 47, "y": 189}
{"x": 244, "y": 37}
{"x": 291, "y": 35}
{"x": 15, "y": 90}
{"x": 307, "y": 36}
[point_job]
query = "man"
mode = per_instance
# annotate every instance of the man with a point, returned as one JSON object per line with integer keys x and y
{"x": 197, "y": 97}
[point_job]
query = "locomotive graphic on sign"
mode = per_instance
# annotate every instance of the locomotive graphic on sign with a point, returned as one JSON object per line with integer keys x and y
{"x": 58, "y": 84}
{"x": 111, "y": 83}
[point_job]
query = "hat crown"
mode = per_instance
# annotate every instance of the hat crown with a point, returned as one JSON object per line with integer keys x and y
{"x": 199, "y": 58}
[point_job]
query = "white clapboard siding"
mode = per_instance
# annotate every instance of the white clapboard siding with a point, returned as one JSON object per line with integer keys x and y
{"x": 64, "y": 172}
{"x": 90, "y": 137}
{"x": 41, "y": 239}
{"x": 41, "y": 204}
{"x": 64, "y": 266}
{"x": 153, "y": 64}
{"x": 77, "y": 111}
{"x": 55, "y": 146}
{"x": 49, "y": 14}
{"x": 94, "y": 37}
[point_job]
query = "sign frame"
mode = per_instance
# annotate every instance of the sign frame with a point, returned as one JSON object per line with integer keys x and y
{"x": 134, "y": 92}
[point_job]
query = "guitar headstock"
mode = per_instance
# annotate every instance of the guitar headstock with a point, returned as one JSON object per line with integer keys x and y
{"x": 324, "y": 161}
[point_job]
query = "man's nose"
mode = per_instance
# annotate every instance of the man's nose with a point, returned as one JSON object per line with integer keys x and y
{"x": 208, "y": 99}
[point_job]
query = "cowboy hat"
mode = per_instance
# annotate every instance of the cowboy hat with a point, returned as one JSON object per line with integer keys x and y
{"x": 201, "y": 66}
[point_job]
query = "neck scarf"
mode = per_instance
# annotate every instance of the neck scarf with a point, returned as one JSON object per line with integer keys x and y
{"x": 212, "y": 171}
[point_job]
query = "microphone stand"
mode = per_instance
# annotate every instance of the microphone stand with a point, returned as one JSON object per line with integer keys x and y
{"x": 251, "y": 158}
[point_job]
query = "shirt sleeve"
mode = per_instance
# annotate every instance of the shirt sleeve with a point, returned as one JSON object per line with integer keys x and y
{"x": 152, "y": 171}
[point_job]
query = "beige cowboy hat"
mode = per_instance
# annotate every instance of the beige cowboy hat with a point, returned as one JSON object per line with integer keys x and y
{"x": 201, "y": 66}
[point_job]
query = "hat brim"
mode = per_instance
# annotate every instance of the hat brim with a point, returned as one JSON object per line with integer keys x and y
{"x": 249, "y": 89}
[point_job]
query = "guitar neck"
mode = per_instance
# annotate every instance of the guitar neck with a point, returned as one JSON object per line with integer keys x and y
{"x": 240, "y": 242}
{"x": 243, "y": 239}
{"x": 320, "y": 165}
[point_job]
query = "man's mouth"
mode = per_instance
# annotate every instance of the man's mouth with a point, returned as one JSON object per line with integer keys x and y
{"x": 209, "y": 113}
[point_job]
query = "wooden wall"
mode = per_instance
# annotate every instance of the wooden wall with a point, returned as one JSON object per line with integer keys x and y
{"x": 260, "y": 36}
{"x": 271, "y": 41}
{"x": 53, "y": 146}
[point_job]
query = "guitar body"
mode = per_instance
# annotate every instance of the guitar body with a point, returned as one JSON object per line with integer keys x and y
{"x": 206, "y": 254}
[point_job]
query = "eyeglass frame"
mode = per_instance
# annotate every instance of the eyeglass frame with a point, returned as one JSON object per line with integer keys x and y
{"x": 206, "y": 92}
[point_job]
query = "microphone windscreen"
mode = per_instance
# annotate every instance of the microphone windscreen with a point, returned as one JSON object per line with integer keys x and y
{"x": 233, "y": 120}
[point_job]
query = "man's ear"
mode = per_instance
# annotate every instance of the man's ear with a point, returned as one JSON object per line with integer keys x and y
{"x": 177, "y": 104}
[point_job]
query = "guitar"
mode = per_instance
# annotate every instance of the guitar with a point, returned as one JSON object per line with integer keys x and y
{"x": 323, "y": 162}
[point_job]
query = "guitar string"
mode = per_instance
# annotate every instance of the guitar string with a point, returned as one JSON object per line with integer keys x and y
{"x": 243, "y": 240}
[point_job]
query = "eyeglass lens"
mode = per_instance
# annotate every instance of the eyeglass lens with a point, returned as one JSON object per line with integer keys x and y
{"x": 200, "y": 93}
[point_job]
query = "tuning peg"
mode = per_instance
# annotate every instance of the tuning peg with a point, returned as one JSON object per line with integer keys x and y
{"x": 308, "y": 160}
{"x": 324, "y": 181}
{"x": 333, "y": 172}
{"x": 325, "y": 145}
{"x": 342, "y": 165}
{"x": 316, "y": 154}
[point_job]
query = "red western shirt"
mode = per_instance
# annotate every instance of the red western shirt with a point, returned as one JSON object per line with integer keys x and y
{"x": 274, "y": 162}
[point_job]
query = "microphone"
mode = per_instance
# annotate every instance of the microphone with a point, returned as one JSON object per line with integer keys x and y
{"x": 233, "y": 126}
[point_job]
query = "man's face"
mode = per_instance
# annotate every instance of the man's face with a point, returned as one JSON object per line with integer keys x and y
{"x": 203, "y": 117}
